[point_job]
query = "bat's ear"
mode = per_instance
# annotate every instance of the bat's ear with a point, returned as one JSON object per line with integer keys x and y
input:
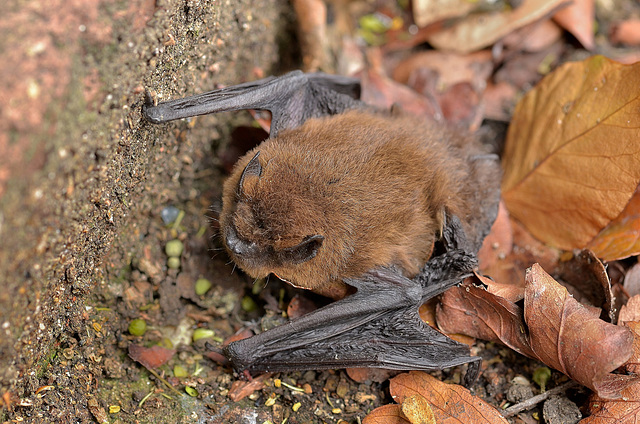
{"x": 304, "y": 251}
{"x": 250, "y": 175}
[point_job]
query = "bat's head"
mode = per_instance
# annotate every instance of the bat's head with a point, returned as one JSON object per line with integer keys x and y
{"x": 268, "y": 222}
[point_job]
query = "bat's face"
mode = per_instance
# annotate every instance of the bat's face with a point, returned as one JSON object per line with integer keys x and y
{"x": 265, "y": 227}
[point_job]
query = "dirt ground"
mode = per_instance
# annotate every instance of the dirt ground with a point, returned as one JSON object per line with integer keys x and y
{"x": 87, "y": 193}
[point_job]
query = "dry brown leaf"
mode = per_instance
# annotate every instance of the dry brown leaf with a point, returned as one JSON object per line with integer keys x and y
{"x": 569, "y": 337}
{"x": 426, "y": 12}
{"x": 150, "y": 357}
{"x": 383, "y": 92}
{"x": 586, "y": 279}
{"x": 632, "y": 280}
{"x": 633, "y": 364}
{"x": 477, "y": 313}
{"x": 386, "y": 414}
{"x": 621, "y": 238}
{"x": 508, "y": 272}
{"x": 553, "y": 328}
{"x": 572, "y": 158}
{"x": 499, "y": 242}
{"x": 578, "y": 18}
{"x": 534, "y": 37}
{"x": 241, "y": 389}
{"x": 378, "y": 375}
{"x": 450, "y": 403}
{"x": 451, "y": 68}
{"x": 480, "y": 30}
{"x": 312, "y": 26}
{"x": 626, "y": 32}
{"x": 625, "y": 410}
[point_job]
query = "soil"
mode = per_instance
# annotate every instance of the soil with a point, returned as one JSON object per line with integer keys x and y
{"x": 86, "y": 189}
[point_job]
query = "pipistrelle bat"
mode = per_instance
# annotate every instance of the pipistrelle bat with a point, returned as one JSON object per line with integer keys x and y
{"x": 345, "y": 195}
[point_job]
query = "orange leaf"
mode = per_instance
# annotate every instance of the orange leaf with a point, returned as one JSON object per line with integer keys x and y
{"x": 479, "y": 30}
{"x": 572, "y": 158}
{"x": 150, "y": 357}
{"x": 569, "y": 337}
{"x": 625, "y": 410}
{"x": 450, "y": 403}
{"x": 578, "y": 18}
{"x": 386, "y": 414}
{"x": 621, "y": 238}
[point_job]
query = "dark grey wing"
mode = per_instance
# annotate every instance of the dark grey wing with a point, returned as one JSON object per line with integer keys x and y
{"x": 378, "y": 326}
{"x": 292, "y": 99}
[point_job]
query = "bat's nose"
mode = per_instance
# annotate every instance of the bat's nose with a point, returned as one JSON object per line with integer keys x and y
{"x": 235, "y": 244}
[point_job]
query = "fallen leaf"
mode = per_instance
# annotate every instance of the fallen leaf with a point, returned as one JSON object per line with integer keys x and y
{"x": 312, "y": 25}
{"x": 586, "y": 279}
{"x": 383, "y": 92}
{"x": 553, "y": 327}
{"x": 480, "y": 30}
{"x": 507, "y": 273}
{"x": 633, "y": 364}
{"x": 150, "y": 357}
{"x": 241, "y": 389}
{"x": 578, "y": 18}
{"x": 378, "y": 375}
{"x": 451, "y": 68}
{"x": 568, "y": 337}
{"x": 632, "y": 280}
{"x": 621, "y": 238}
{"x": 300, "y": 306}
{"x": 572, "y": 159}
{"x": 386, "y": 414}
{"x": 626, "y": 32}
{"x": 534, "y": 37}
{"x": 417, "y": 410}
{"x": 499, "y": 242}
{"x": 624, "y": 410}
{"x": 450, "y": 403}
{"x": 426, "y": 12}
{"x": 477, "y": 313}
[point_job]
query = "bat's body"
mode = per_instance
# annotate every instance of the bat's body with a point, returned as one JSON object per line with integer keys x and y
{"x": 358, "y": 198}
{"x": 373, "y": 189}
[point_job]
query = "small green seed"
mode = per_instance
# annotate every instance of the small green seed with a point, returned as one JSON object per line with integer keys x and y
{"x": 191, "y": 391}
{"x": 174, "y": 248}
{"x": 202, "y": 286}
{"x": 202, "y": 333}
{"x": 137, "y": 327}
{"x": 179, "y": 371}
{"x": 173, "y": 262}
{"x": 248, "y": 305}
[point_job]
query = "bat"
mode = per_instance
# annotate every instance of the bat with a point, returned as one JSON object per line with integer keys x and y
{"x": 342, "y": 196}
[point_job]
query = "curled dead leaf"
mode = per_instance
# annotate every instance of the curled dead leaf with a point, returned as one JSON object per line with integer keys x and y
{"x": 569, "y": 337}
{"x": 553, "y": 327}
{"x": 578, "y": 18}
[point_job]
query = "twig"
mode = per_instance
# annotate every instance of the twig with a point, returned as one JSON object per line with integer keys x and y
{"x": 531, "y": 402}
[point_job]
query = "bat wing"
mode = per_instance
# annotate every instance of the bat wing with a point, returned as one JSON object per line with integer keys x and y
{"x": 292, "y": 99}
{"x": 378, "y": 326}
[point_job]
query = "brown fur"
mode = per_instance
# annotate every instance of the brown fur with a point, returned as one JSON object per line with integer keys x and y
{"x": 376, "y": 187}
